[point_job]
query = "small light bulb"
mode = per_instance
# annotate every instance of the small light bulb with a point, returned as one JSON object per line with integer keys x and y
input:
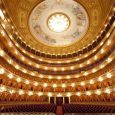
{"x": 71, "y": 67}
{"x": 102, "y": 51}
{"x": 49, "y": 94}
{"x": 94, "y": 70}
{"x": 63, "y": 85}
{"x": 109, "y": 60}
{"x": 21, "y": 92}
{"x": 16, "y": 52}
{"x": 108, "y": 34}
{"x": 58, "y": 62}
{"x": 86, "y": 56}
{"x": 17, "y": 45}
{"x": 88, "y": 62}
{"x": 50, "y": 77}
{"x": 2, "y": 88}
{"x": 2, "y": 71}
{"x": 30, "y": 93}
{"x": 40, "y": 59}
{"x": 100, "y": 79}
{"x": 77, "y": 76}
{"x": 78, "y": 94}
{"x": 12, "y": 91}
{"x": 24, "y": 70}
{"x": 32, "y": 56}
{"x": 68, "y": 94}
{"x": 62, "y": 69}
{"x": 68, "y": 61}
{"x": 10, "y": 44}
{"x": 10, "y": 61}
{"x": 37, "y": 66}
{"x": 68, "y": 77}
{"x": 10, "y": 76}
{"x": 18, "y": 79}
{"x": 17, "y": 67}
{"x": 55, "y": 69}
{"x": 2, "y": 53}
{"x": 59, "y": 95}
{"x": 88, "y": 93}
{"x": 2, "y": 33}
{"x": 54, "y": 85}
{"x": 82, "y": 83}
{"x": 46, "y": 68}
{"x": 91, "y": 81}
{"x": 40, "y": 93}
{"x": 23, "y": 58}
{"x": 80, "y": 65}
{"x": 2, "y": 15}
{"x": 101, "y": 43}
{"x": 86, "y": 73}
{"x": 107, "y": 90}
{"x": 41, "y": 76}
{"x": 98, "y": 92}
{"x": 45, "y": 85}
{"x": 27, "y": 82}
{"x": 30, "y": 63}
{"x": 35, "y": 83}
{"x": 102, "y": 66}
{"x": 109, "y": 42}
{"x": 109, "y": 75}
{"x": 95, "y": 57}
{"x": 59, "y": 77}
{"x": 33, "y": 74}
{"x": 73, "y": 84}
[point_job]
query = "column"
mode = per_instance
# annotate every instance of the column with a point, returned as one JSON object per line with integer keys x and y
{"x": 69, "y": 99}
{"x": 55, "y": 100}
{"x": 63, "y": 100}
{"x": 49, "y": 99}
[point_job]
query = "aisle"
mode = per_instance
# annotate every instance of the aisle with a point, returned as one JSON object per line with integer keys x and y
{"x": 59, "y": 110}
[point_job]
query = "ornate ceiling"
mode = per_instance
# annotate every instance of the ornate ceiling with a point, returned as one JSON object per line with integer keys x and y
{"x": 97, "y": 12}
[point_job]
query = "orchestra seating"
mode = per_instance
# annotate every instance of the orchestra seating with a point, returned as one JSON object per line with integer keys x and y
{"x": 80, "y": 108}
{"x": 35, "y": 108}
{"x": 32, "y": 113}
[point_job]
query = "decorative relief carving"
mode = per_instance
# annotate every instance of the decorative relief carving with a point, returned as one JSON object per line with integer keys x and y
{"x": 22, "y": 18}
{"x": 92, "y": 3}
{"x": 95, "y": 17}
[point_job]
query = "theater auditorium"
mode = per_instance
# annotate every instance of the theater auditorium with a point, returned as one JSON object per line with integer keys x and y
{"x": 57, "y": 57}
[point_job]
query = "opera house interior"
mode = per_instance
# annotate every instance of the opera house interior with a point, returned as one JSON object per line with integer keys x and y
{"x": 57, "y": 57}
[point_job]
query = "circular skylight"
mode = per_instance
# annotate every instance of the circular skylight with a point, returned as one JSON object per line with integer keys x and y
{"x": 58, "y": 22}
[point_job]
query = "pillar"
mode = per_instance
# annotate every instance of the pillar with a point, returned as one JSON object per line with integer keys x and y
{"x": 55, "y": 100}
{"x": 49, "y": 99}
{"x": 69, "y": 99}
{"x": 63, "y": 100}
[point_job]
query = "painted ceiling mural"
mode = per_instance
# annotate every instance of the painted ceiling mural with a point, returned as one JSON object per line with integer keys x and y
{"x": 91, "y": 15}
{"x": 76, "y": 22}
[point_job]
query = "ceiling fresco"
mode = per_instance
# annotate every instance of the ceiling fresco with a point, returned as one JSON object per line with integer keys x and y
{"x": 96, "y": 11}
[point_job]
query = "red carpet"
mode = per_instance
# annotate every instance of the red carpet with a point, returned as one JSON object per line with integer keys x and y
{"x": 59, "y": 110}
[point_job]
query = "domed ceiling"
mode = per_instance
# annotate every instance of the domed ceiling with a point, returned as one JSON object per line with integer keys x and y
{"x": 58, "y": 23}
{"x": 58, "y": 26}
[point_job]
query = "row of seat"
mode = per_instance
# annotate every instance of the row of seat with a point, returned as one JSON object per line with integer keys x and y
{"x": 30, "y": 108}
{"x": 80, "y": 108}
{"x": 32, "y": 113}
{"x": 50, "y": 109}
